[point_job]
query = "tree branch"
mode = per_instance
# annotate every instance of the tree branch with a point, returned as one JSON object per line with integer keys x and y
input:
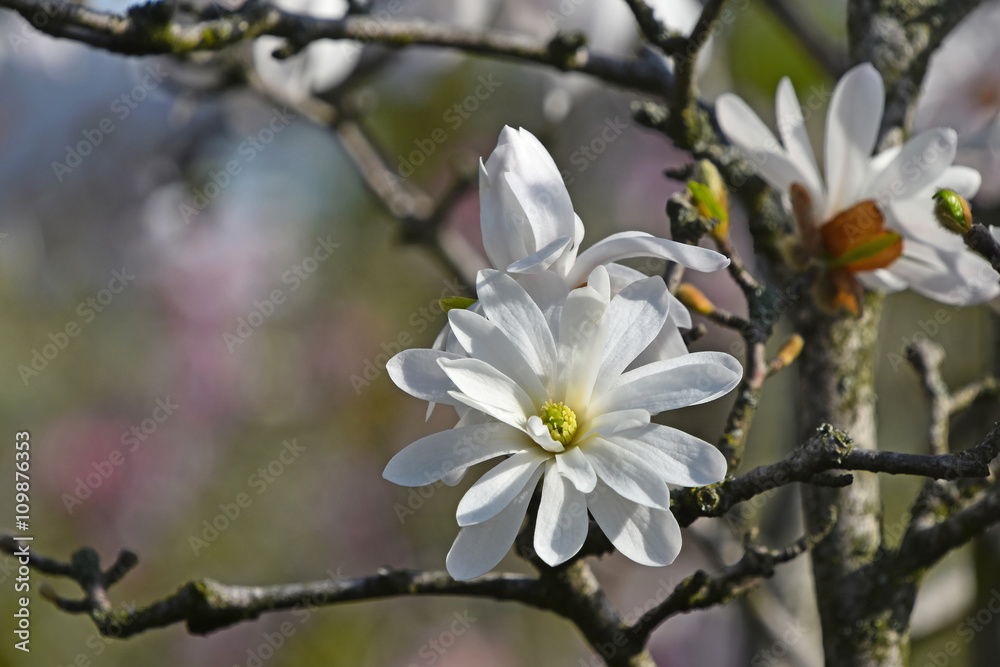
{"x": 829, "y": 450}
{"x": 155, "y": 29}
{"x": 702, "y": 590}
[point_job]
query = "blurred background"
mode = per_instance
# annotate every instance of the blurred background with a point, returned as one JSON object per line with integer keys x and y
{"x": 200, "y": 292}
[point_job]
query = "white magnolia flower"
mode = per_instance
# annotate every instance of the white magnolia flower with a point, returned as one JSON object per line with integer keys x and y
{"x": 318, "y": 67}
{"x": 962, "y": 91}
{"x": 872, "y": 219}
{"x": 530, "y": 230}
{"x": 547, "y": 390}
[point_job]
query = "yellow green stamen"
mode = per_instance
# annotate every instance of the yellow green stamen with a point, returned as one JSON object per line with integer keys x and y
{"x": 560, "y": 420}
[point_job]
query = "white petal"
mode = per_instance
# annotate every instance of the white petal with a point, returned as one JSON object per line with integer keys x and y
{"x": 628, "y": 474}
{"x": 417, "y": 373}
{"x": 455, "y": 477}
{"x": 623, "y": 276}
{"x": 963, "y": 180}
{"x": 673, "y": 383}
{"x": 509, "y": 307}
{"x": 646, "y": 535}
{"x": 794, "y": 135}
{"x": 562, "y": 519}
{"x": 544, "y": 199}
{"x": 668, "y": 344}
{"x": 503, "y": 222}
{"x": 914, "y": 219}
{"x": 432, "y": 458}
{"x": 485, "y": 341}
{"x": 964, "y": 279}
{"x": 497, "y": 488}
{"x": 745, "y": 130}
{"x": 678, "y": 312}
{"x": 583, "y": 327}
{"x": 549, "y": 291}
{"x": 880, "y": 280}
{"x": 923, "y": 160}
{"x": 624, "y": 245}
{"x": 543, "y": 259}
{"x": 613, "y": 423}
{"x": 574, "y": 466}
{"x": 479, "y": 548}
{"x": 635, "y": 317}
{"x": 680, "y": 458}
{"x": 539, "y": 432}
{"x": 484, "y": 388}
{"x": 600, "y": 282}
{"x": 852, "y": 123}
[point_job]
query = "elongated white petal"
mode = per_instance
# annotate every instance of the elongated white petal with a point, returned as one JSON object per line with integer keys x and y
{"x": 542, "y": 259}
{"x": 795, "y": 137}
{"x": 852, "y": 123}
{"x": 613, "y": 423}
{"x": 418, "y": 374}
{"x": 963, "y": 180}
{"x": 600, "y": 282}
{"x": 543, "y": 197}
{"x": 922, "y": 161}
{"x": 502, "y": 220}
{"x": 745, "y": 130}
{"x": 539, "y": 432}
{"x": 673, "y": 383}
{"x": 668, "y": 344}
{"x": 549, "y": 291}
{"x": 638, "y": 244}
{"x": 635, "y": 317}
{"x": 583, "y": 329}
{"x": 486, "y": 342}
{"x": 483, "y": 385}
{"x": 508, "y": 306}
{"x": 629, "y": 475}
{"x": 562, "y": 522}
{"x": 432, "y": 458}
{"x": 914, "y": 220}
{"x": 623, "y": 276}
{"x": 479, "y": 548}
{"x": 679, "y": 458}
{"x": 574, "y": 466}
{"x": 961, "y": 280}
{"x": 646, "y": 535}
{"x": 498, "y": 487}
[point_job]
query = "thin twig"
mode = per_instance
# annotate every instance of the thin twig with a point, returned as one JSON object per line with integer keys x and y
{"x": 702, "y": 590}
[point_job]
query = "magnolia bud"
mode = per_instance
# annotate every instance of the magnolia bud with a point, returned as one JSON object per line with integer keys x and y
{"x": 694, "y": 299}
{"x": 952, "y": 211}
{"x": 709, "y": 194}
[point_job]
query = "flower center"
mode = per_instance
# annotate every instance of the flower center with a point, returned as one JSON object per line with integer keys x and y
{"x": 560, "y": 420}
{"x": 857, "y": 240}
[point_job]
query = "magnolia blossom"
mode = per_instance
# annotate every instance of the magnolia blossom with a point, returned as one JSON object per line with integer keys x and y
{"x": 549, "y": 391}
{"x": 530, "y": 230}
{"x": 962, "y": 90}
{"x": 871, "y": 221}
{"x": 318, "y": 67}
